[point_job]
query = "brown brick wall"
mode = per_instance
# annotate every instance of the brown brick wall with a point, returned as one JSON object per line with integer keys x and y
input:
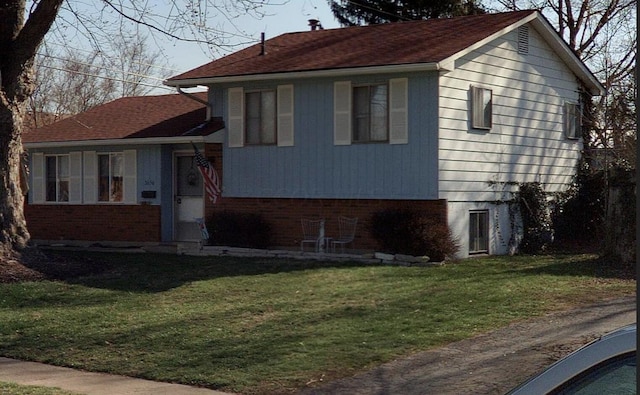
{"x": 284, "y": 215}
{"x": 136, "y": 223}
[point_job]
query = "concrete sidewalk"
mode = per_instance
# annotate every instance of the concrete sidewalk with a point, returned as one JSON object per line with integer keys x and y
{"x": 32, "y": 373}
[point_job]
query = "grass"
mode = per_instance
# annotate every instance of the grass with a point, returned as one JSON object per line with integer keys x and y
{"x": 16, "y": 389}
{"x": 258, "y": 326}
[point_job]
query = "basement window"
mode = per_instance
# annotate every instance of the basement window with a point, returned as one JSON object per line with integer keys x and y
{"x": 479, "y": 232}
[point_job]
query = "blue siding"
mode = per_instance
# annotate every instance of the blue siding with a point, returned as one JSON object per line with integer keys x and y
{"x": 149, "y": 177}
{"x": 315, "y": 168}
{"x": 166, "y": 168}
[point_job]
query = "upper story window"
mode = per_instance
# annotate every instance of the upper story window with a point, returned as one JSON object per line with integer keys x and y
{"x": 377, "y": 112}
{"x": 260, "y": 113}
{"x": 370, "y": 113}
{"x": 57, "y": 178}
{"x": 572, "y": 120}
{"x": 481, "y": 107}
{"x": 110, "y": 177}
{"x": 260, "y": 117}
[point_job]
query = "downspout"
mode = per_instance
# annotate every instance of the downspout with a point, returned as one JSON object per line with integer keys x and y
{"x": 192, "y": 97}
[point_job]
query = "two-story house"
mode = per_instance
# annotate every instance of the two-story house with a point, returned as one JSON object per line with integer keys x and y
{"x": 443, "y": 115}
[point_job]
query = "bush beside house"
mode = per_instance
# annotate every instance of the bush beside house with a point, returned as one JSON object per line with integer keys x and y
{"x": 411, "y": 232}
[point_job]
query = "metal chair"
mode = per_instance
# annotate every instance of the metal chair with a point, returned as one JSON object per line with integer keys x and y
{"x": 311, "y": 233}
{"x": 347, "y": 232}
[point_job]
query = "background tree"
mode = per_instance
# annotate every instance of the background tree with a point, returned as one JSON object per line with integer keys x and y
{"x": 72, "y": 81}
{"x": 369, "y": 12}
{"x": 23, "y": 30}
{"x": 603, "y": 34}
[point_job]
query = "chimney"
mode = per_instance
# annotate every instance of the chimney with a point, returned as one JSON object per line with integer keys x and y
{"x": 315, "y": 24}
{"x": 263, "y": 47}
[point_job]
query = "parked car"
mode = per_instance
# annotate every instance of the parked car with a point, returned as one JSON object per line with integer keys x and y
{"x": 604, "y": 366}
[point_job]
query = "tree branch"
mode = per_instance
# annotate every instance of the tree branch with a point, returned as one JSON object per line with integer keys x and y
{"x": 36, "y": 27}
{"x": 152, "y": 27}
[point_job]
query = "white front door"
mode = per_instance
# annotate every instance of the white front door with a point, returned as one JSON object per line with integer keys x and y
{"x": 188, "y": 198}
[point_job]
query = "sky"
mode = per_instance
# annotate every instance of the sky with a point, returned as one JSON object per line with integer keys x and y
{"x": 290, "y": 17}
{"x": 73, "y": 27}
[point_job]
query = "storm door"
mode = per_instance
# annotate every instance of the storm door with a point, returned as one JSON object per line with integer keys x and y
{"x": 188, "y": 198}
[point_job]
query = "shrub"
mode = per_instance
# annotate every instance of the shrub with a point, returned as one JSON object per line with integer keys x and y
{"x": 237, "y": 229}
{"x": 580, "y": 212}
{"x": 536, "y": 218}
{"x": 410, "y": 232}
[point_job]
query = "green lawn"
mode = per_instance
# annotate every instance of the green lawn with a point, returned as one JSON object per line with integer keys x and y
{"x": 16, "y": 389}
{"x": 272, "y": 325}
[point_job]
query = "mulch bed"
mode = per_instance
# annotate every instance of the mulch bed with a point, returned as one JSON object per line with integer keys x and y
{"x": 36, "y": 265}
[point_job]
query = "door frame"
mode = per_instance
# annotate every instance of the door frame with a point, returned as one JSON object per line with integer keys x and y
{"x": 174, "y": 181}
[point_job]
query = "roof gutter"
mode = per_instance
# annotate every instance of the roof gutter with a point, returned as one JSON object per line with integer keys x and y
{"x": 212, "y": 138}
{"x": 346, "y": 72}
{"x": 193, "y": 97}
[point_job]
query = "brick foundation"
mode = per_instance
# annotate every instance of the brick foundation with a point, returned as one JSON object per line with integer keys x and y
{"x": 284, "y": 215}
{"x": 137, "y": 223}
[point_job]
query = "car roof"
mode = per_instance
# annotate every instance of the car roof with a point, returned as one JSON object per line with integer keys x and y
{"x": 617, "y": 343}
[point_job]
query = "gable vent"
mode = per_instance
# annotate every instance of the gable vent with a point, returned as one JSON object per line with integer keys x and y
{"x": 523, "y": 40}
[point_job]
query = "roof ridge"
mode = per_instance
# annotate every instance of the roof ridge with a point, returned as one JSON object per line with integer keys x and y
{"x": 388, "y": 24}
{"x": 422, "y": 41}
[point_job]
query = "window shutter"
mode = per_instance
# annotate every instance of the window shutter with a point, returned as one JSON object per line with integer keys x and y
{"x": 342, "y": 113}
{"x": 235, "y": 126}
{"x": 37, "y": 177}
{"x": 285, "y": 115}
{"x": 90, "y": 185}
{"x": 130, "y": 170}
{"x": 75, "y": 177}
{"x": 398, "y": 109}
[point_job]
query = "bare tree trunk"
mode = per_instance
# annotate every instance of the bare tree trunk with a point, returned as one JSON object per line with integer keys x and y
{"x": 19, "y": 41}
{"x": 620, "y": 233}
{"x": 13, "y": 234}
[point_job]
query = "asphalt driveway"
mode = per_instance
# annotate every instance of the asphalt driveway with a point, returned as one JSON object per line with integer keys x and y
{"x": 491, "y": 363}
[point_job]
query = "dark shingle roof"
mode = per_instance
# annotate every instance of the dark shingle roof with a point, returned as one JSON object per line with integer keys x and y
{"x": 131, "y": 117}
{"x": 425, "y": 41}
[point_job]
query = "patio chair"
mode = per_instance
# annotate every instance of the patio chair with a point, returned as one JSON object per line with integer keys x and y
{"x": 311, "y": 233}
{"x": 347, "y": 232}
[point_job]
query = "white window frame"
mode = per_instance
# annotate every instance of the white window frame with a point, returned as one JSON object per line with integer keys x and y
{"x": 272, "y": 119}
{"x": 110, "y": 176}
{"x": 475, "y": 236}
{"x": 82, "y": 178}
{"x": 397, "y": 115}
{"x": 369, "y": 114}
{"x": 481, "y": 108}
{"x": 58, "y": 178}
{"x": 572, "y": 120}
{"x": 284, "y": 116}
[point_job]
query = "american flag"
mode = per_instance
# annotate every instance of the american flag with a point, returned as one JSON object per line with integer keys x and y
{"x": 210, "y": 176}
